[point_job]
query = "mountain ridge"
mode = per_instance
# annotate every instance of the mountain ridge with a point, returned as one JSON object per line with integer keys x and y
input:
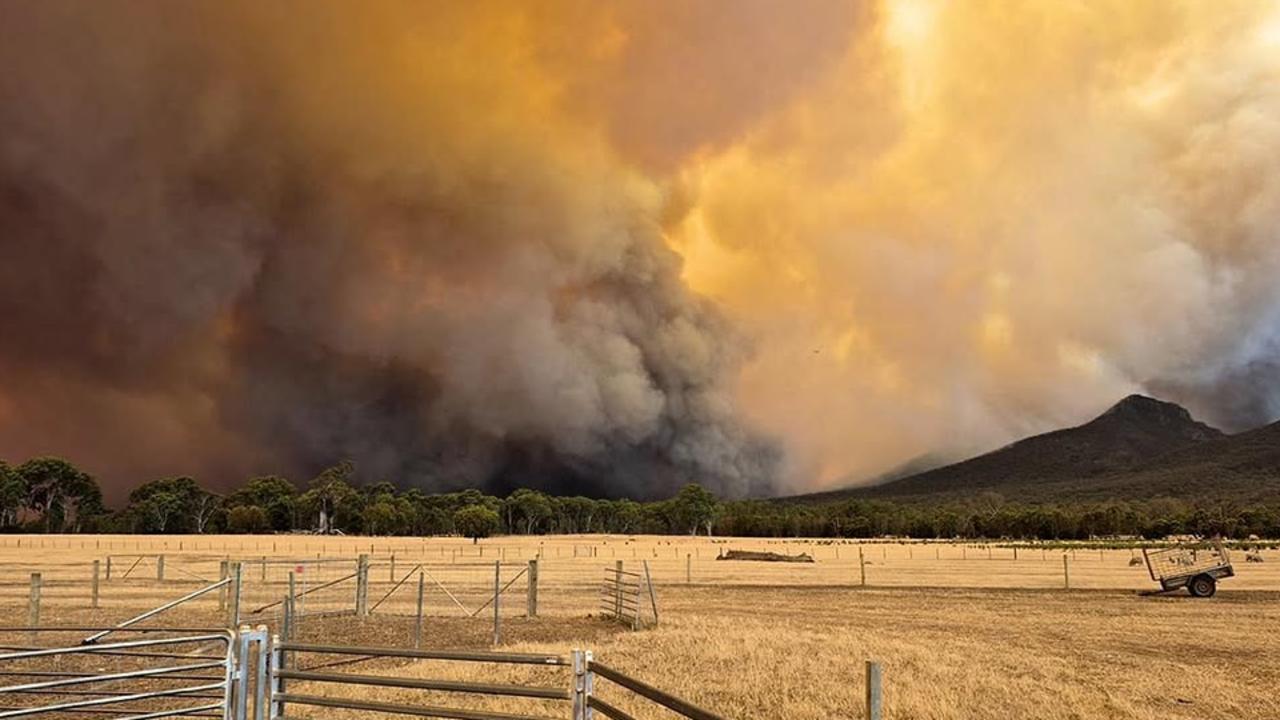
{"x": 1139, "y": 448}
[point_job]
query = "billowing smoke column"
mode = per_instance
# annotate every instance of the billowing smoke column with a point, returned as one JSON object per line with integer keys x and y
{"x": 612, "y": 247}
{"x": 264, "y": 236}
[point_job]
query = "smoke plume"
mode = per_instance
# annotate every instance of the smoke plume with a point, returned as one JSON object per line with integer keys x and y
{"x": 614, "y": 247}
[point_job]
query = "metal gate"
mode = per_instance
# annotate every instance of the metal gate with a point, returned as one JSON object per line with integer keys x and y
{"x": 177, "y": 672}
{"x": 150, "y": 673}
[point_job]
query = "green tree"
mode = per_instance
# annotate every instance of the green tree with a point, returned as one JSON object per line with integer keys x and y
{"x": 58, "y": 490}
{"x": 275, "y": 495}
{"x": 527, "y": 509}
{"x": 626, "y": 516}
{"x": 332, "y": 500}
{"x": 476, "y": 521}
{"x": 580, "y": 514}
{"x": 247, "y": 519}
{"x": 172, "y": 505}
{"x": 694, "y": 508}
{"x": 381, "y": 518}
{"x": 13, "y": 495}
{"x": 435, "y": 521}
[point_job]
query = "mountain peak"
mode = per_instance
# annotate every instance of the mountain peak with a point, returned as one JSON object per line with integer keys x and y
{"x": 1142, "y": 414}
{"x": 1142, "y": 407}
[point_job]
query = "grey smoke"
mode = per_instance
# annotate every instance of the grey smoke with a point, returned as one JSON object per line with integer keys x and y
{"x": 238, "y": 238}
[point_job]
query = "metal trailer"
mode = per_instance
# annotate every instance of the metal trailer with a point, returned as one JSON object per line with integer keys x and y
{"x": 1198, "y": 568}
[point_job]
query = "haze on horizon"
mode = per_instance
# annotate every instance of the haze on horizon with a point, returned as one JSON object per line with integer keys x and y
{"x": 613, "y": 247}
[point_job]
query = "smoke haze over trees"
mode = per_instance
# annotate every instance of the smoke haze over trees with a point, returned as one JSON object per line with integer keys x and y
{"x": 337, "y": 501}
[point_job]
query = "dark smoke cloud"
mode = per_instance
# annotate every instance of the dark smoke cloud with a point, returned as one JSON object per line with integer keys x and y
{"x": 253, "y": 237}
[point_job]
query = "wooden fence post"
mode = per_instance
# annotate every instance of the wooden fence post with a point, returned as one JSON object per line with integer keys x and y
{"x": 290, "y": 610}
{"x": 33, "y": 605}
{"x": 362, "y": 586}
{"x": 532, "y": 602}
{"x": 617, "y": 589}
{"x": 1015, "y": 552}
{"x": 497, "y": 596}
{"x": 688, "y": 569}
{"x": 875, "y": 693}
{"x": 393, "y": 567}
{"x": 233, "y": 603}
{"x": 862, "y": 566}
{"x": 653, "y": 597}
{"x": 160, "y": 568}
{"x": 225, "y": 592}
{"x": 108, "y": 568}
{"x": 417, "y": 625}
{"x": 1066, "y": 572}
{"x": 263, "y": 569}
{"x": 93, "y": 588}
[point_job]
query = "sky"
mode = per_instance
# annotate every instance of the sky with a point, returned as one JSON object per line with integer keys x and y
{"x": 615, "y": 247}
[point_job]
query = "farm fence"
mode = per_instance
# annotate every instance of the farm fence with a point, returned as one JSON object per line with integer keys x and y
{"x": 245, "y": 674}
{"x": 249, "y": 674}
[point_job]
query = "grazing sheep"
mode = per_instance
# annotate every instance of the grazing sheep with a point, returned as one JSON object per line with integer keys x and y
{"x": 1135, "y": 561}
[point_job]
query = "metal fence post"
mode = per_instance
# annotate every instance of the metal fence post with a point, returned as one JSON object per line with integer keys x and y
{"x": 159, "y": 568}
{"x": 33, "y": 606}
{"x": 417, "y": 625}
{"x": 242, "y": 673}
{"x": 93, "y": 588}
{"x": 875, "y": 694}
{"x": 532, "y": 603}
{"x": 588, "y": 686}
{"x": 276, "y": 684}
{"x": 579, "y": 685}
{"x": 261, "y": 662}
{"x": 233, "y": 602}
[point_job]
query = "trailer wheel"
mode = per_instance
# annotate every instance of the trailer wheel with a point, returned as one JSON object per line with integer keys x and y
{"x": 1202, "y": 586}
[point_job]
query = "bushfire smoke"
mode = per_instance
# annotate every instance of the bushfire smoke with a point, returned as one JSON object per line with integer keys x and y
{"x": 614, "y": 247}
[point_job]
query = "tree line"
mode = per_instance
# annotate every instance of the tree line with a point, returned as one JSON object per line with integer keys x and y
{"x": 52, "y": 495}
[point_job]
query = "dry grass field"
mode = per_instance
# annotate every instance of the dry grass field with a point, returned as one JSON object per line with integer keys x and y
{"x": 964, "y": 632}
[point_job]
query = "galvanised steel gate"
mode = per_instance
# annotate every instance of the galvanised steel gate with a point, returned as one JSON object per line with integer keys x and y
{"x": 156, "y": 673}
{"x": 242, "y": 675}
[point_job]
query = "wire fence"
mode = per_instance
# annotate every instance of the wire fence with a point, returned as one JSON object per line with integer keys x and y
{"x": 457, "y": 578}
